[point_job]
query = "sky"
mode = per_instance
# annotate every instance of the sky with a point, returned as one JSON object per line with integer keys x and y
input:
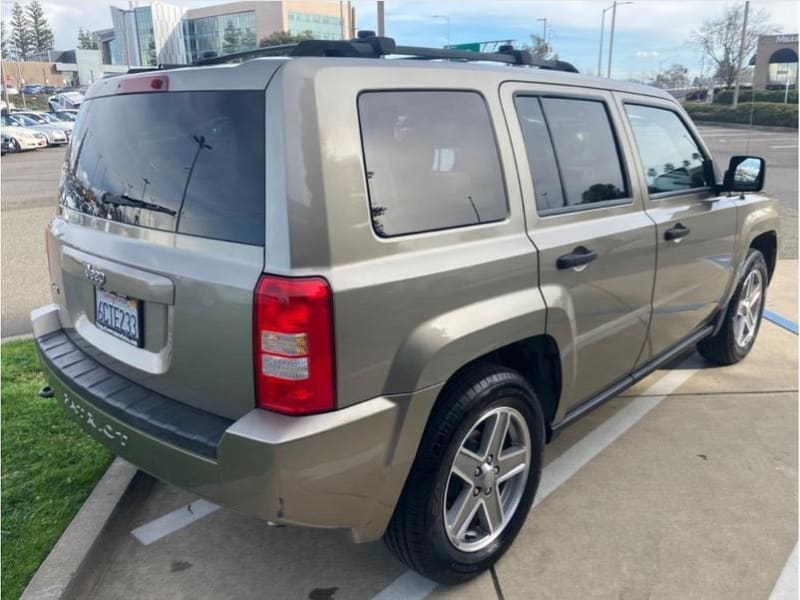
{"x": 650, "y": 34}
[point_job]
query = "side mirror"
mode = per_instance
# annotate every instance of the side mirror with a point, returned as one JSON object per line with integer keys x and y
{"x": 745, "y": 174}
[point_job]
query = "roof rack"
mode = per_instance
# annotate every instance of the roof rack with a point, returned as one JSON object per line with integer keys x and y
{"x": 368, "y": 45}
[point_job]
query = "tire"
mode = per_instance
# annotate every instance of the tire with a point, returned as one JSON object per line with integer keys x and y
{"x": 467, "y": 408}
{"x": 728, "y": 346}
{"x": 15, "y": 147}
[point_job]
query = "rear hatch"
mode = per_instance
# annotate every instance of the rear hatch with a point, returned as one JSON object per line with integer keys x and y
{"x": 159, "y": 242}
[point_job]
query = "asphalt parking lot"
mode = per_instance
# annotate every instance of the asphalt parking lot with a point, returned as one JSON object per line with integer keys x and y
{"x": 684, "y": 487}
{"x": 30, "y": 183}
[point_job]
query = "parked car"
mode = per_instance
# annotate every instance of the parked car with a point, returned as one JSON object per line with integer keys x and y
{"x": 31, "y": 89}
{"x": 459, "y": 260}
{"x": 17, "y": 139}
{"x": 55, "y": 133}
{"x": 66, "y": 116}
{"x": 48, "y": 89}
{"x": 11, "y": 90}
{"x": 65, "y": 100}
{"x": 43, "y": 118}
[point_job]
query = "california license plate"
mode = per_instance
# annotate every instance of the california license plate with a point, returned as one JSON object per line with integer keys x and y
{"x": 120, "y": 316}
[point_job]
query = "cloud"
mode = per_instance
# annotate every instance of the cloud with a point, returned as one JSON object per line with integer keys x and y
{"x": 646, "y": 53}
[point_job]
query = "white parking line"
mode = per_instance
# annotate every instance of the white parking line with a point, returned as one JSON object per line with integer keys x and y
{"x": 172, "y": 522}
{"x": 786, "y": 586}
{"x": 411, "y": 586}
{"x": 790, "y": 146}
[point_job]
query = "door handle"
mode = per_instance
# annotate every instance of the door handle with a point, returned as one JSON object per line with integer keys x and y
{"x": 577, "y": 259}
{"x": 677, "y": 233}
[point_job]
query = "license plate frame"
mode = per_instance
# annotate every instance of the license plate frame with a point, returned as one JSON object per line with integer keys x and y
{"x": 120, "y": 316}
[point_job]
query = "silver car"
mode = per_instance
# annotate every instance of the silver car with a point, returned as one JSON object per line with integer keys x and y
{"x": 56, "y": 133}
{"x": 334, "y": 290}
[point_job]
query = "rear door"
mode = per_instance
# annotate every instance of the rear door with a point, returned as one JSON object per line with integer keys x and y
{"x": 160, "y": 237}
{"x": 596, "y": 245}
{"x": 695, "y": 229}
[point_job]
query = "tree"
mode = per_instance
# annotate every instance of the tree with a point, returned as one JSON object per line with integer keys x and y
{"x": 230, "y": 39}
{"x": 41, "y": 34}
{"x": 720, "y": 39}
{"x": 539, "y": 48}
{"x": 249, "y": 39}
{"x": 676, "y": 76}
{"x": 278, "y": 38}
{"x": 20, "y": 32}
{"x": 86, "y": 40}
{"x": 4, "y": 40}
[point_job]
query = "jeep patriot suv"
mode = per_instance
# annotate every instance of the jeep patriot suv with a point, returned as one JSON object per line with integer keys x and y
{"x": 335, "y": 289}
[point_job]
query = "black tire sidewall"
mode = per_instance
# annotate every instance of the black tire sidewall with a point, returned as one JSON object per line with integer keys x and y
{"x": 513, "y": 394}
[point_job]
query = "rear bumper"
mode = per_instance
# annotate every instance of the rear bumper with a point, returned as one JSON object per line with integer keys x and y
{"x": 343, "y": 469}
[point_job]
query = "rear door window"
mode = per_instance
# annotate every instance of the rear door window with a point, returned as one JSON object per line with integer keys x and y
{"x": 671, "y": 159}
{"x": 191, "y": 162}
{"x": 431, "y": 161}
{"x": 572, "y": 152}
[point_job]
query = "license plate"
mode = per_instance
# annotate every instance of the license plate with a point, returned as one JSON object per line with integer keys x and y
{"x": 120, "y": 316}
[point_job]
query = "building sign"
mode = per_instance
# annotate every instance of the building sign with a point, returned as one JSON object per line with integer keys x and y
{"x": 786, "y": 39}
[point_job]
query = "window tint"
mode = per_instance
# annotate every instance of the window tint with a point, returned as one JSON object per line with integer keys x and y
{"x": 191, "y": 162}
{"x": 541, "y": 158}
{"x": 585, "y": 150}
{"x": 431, "y": 161}
{"x": 671, "y": 159}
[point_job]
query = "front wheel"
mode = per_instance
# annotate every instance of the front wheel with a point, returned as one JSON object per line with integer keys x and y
{"x": 474, "y": 477}
{"x": 738, "y": 332}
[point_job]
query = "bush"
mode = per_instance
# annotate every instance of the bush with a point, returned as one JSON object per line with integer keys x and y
{"x": 764, "y": 113}
{"x": 726, "y": 96}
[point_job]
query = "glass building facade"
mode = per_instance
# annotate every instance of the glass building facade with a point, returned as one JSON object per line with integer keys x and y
{"x": 146, "y": 38}
{"x": 322, "y": 27}
{"x": 221, "y": 34}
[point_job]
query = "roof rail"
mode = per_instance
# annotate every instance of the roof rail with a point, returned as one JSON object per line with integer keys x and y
{"x": 368, "y": 45}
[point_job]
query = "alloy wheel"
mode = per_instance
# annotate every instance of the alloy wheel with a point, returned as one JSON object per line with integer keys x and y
{"x": 745, "y": 321}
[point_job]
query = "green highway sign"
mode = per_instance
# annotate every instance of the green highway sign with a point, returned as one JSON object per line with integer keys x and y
{"x": 471, "y": 47}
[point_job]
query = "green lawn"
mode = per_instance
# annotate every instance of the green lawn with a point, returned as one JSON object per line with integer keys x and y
{"x": 49, "y": 467}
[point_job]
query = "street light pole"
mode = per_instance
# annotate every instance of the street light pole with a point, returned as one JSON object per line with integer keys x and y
{"x": 380, "y": 18}
{"x": 447, "y": 22}
{"x": 600, "y": 52}
{"x": 544, "y": 30}
{"x": 613, "y": 9}
{"x": 741, "y": 55}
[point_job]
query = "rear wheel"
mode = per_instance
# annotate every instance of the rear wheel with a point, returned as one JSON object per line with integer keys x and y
{"x": 15, "y": 147}
{"x": 738, "y": 333}
{"x": 474, "y": 478}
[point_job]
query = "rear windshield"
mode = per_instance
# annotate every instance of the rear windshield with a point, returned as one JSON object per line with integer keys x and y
{"x": 191, "y": 162}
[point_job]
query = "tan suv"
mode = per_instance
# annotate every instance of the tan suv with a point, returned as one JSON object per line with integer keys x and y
{"x": 342, "y": 290}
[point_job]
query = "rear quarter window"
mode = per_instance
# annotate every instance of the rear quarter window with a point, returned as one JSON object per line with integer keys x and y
{"x": 431, "y": 161}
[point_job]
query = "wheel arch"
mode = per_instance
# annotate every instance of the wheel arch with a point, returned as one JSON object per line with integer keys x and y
{"x": 767, "y": 244}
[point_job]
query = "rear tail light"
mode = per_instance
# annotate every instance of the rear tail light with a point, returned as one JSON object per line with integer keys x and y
{"x": 293, "y": 345}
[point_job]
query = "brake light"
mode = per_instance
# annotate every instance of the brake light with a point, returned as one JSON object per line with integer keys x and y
{"x": 293, "y": 345}
{"x": 146, "y": 83}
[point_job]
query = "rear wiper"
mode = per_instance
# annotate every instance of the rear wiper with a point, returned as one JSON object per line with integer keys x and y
{"x": 125, "y": 200}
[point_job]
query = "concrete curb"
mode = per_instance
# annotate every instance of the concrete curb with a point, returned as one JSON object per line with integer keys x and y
{"x": 62, "y": 566}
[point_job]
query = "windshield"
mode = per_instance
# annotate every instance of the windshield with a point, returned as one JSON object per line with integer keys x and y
{"x": 191, "y": 162}
{"x": 24, "y": 121}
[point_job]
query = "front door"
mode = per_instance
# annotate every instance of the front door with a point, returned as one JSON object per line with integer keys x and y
{"x": 595, "y": 243}
{"x": 696, "y": 229}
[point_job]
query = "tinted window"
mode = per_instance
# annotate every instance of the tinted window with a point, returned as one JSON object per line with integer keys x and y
{"x": 431, "y": 161}
{"x": 541, "y": 158}
{"x": 191, "y": 162}
{"x": 585, "y": 149}
{"x": 670, "y": 157}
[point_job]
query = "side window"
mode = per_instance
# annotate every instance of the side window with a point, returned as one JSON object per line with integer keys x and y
{"x": 671, "y": 159}
{"x": 541, "y": 158}
{"x": 572, "y": 152}
{"x": 432, "y": 161}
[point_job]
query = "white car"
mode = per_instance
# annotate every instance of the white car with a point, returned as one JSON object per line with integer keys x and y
{"x": 43, "y": 118}
{"x": 55, "y": 133}
{"x": 17, "y": 139}
{"x": 65, "y": 100}
{"x": 12, "y": 91}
